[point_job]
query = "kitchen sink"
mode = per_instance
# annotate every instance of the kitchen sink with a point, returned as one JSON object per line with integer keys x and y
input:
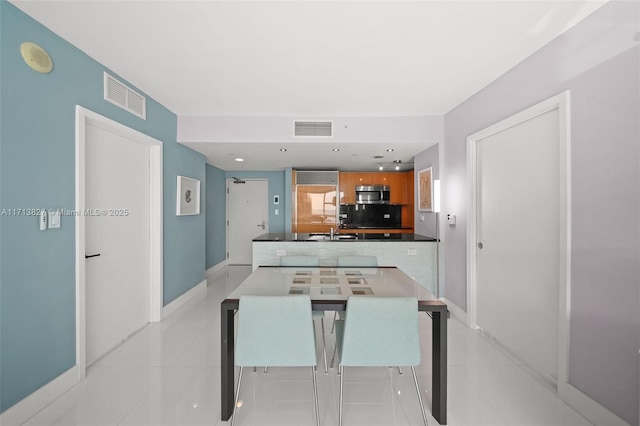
{"x": 327, "y": 237}
{"x": 318, "y": 237}
{"x": 346, "y": 237}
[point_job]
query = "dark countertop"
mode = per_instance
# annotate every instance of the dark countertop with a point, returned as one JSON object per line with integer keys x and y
{"x": 361, "y": 237}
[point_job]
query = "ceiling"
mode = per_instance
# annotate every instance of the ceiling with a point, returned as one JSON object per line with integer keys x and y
{"x": 308, "y": 58}
{"x": 311, "y": 156}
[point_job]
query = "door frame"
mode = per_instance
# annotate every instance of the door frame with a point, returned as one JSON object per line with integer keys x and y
{"x": 83, "y": 117}
{"x": 561, "y": 102}
{"x": 229, "y": 181}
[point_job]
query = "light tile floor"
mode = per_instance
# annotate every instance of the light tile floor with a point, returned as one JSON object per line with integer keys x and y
{"x": 169, "y": 374}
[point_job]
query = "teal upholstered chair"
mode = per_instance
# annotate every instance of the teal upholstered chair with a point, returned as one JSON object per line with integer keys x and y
{"x": 357, "y": 261}
{"x": 275, "y": 331}
{"x": 309, "y": 261}
{"x": 379, "y": 332}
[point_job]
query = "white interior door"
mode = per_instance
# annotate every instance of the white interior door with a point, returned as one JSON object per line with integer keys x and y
{"x": 518, "y": 239}
{"x": 247, "y": 217}
{"x": 117, "y": 195}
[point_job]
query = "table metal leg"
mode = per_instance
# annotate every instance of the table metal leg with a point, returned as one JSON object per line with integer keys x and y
{"x": 227, "y": 341}
{"x": 439, "y": 355}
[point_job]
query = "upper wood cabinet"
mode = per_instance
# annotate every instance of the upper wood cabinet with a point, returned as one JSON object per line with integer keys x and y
{"x": 346, "y": 187}
{"x": 364, "y": 178}
{"x": 399, "y": 183}
{"x": 398, "y": 187}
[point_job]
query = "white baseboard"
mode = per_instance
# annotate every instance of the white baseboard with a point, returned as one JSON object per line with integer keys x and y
{"x": 196, "y": 293}
{"x": 32, "y": 404}
{"x": 456, "y": 311}
{"x": 39, "y": 399}
{"x": 591, "y": 409}
{"x": 215, "y": 270}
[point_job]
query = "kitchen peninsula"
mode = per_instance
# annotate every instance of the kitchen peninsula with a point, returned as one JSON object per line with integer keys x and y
{"x": 413, "y": 253}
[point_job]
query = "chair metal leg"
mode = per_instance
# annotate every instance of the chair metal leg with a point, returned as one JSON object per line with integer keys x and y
{"x": 235, "y": 404}
{"x": 399, "y": 370}
{"x": 333, "y": 326}
{"x": 415, "y": 379}
{"x": 341, "y": 372}
{"x": 335, "y": 352}
{"x": 333, "y": 357}
{"x": 315, "y": 396}
{"x": 324, "y": 347}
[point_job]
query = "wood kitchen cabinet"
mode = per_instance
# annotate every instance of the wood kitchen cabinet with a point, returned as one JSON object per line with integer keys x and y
{"x": 408, "y": 211}
{"x": 365, "y": 178}
{"x": 398, "y": 187}
{"x": 347, "y": 187}
{"x": 383, "y": 178}
{"x": 398, "y": 182}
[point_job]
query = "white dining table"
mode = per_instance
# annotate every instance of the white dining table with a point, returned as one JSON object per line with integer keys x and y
{"x": 329, "y": 289}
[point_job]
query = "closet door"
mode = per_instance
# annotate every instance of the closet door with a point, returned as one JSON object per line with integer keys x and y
{"x": 518, "y": 240}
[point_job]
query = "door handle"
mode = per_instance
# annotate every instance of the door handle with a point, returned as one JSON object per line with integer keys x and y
{"x": 262, "y": 225}
{"x": 87, "y": 256}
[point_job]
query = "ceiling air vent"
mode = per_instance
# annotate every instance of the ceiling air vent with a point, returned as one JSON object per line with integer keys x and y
{"x": 123, "y": 96}
{"x": 313, "y": 128}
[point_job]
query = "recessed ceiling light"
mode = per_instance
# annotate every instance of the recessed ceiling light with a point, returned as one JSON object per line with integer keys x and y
{"x": 239, "y": 159}
{"x": 335, "y": 149}
{"x": 380, "y": 167}
{"x": 283, "y": 149}
{"x": 390, "y": 150}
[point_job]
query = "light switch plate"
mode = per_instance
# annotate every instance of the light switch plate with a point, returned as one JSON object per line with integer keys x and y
{"x": 451, "y": 219}
{"x": 54, "y": 219}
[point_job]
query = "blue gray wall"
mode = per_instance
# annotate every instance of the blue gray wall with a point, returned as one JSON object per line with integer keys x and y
{"x": 216, "y": 230}
{"x": 37, "y": 170}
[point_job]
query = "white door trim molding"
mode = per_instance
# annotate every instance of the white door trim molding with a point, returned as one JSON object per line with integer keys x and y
{"x": 561, "y": 102}
{"x": 84, "y": 116}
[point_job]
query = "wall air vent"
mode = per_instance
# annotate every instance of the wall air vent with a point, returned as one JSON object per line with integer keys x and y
{"x": 308, "y": 177}
{"x": 123, "y": 96}
{"x": 313, "y": 128}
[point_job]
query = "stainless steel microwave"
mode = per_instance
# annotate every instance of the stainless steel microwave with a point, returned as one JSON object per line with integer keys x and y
{"x": 372, "y": 194}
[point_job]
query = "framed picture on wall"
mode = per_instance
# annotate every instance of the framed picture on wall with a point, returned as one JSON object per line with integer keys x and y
{"x": 425, "y": 190}
{"x": 187, "y": 196}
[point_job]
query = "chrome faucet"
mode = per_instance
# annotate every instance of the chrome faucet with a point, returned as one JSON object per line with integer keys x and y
{"x": 334, "y": 231}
